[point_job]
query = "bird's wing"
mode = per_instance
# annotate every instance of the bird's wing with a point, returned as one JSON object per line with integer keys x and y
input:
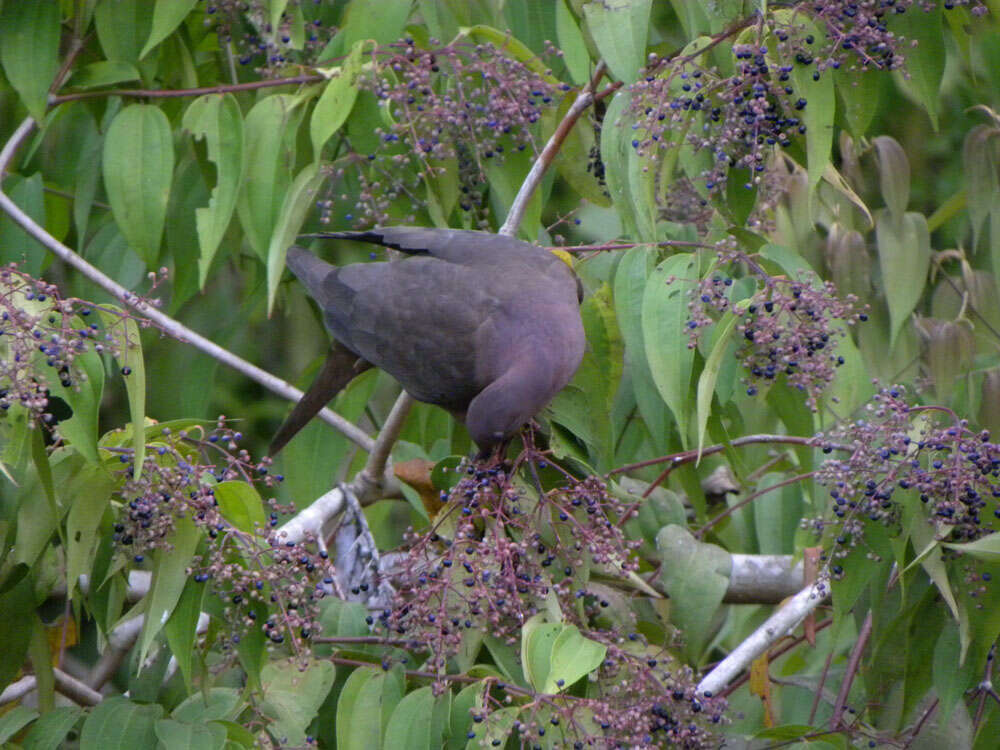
{"x": 417, "y": 319}
{"x": 461, "y": 246}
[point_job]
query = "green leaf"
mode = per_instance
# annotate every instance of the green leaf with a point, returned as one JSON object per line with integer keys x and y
{"x": 721, "y": 340}
{"x": 695, "y": 576}
{"x": 84, "y": 398}
{"x": 119, "y": 724}
{"x": 512, "y": 47}
{"x": 982, "y": 183}
{"x": 169, "y": 577}
{"x": 336, "y": 101}
{"x": 217, "y": 119}
{"x": 410, "y": 726}
{"x": 380, "y": 20}
{"x": 904, "y": 254}
{"x": 29, "y": 50}
{"x": 506, "y": 658}
{"x": 819, "y": 111}
{"x": 985, "y": 548}
{"x": 619, "y": 29}
{"x": 366, "y": 702}
{"x": 51, "y": 729}
{"x": 573, "y": 159}
{"x": 572, "y": 657}
{"x": 172, "y": 733}
{"x": 893, "y": 174}
{"x": 925, "y": 54}
{"x": 318, "y": 444}
{"x": 615, "y": 139}
{"x": 268, "y": 174}
{"x": 239, "y": 736}
{"x": 15, "y": 244}
{"x": 537, "y": 640}
{"x": 124, "y": 331}
{"x": 180, "y": 630}
{"x": 532, "y": 22}
{"x": 794, "y": 265}
{"x": 16, "y": 719}
{"x": 572, "y": 44}
{"x": 776, "y": 515}
{"x": 167, "y": 16}
{"x": 495, "y": 732}
{"x": 860, "y": 94}
{"x": 211, "y": 704}
{"x": 297, "y": 203}
{"x": 241, "y": 505}
{"x": 15, "y": 632}
{"x": 88, "y": 495}
{"x": 584, "y": 406}
{"x": 189, "y": 193}
{"x": 293, "y": 696}
{"x": 505, "y": 180}
{"x": 40, "y": 656}
{"x": 932, "y": 561}
{"x": 103, "y": 73}
{"x": 631, "y": 276}
{"x": 665, "y": 333}
{"x": 122, "y": 28}
{"x": 138, "y": 168}
{"x": 469, "y": 699}
{"x": 951, "y": 676}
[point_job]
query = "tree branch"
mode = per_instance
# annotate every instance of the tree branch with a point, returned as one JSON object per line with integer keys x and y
{"x": 774, "y": 628}
{"x": 180, "y": 93}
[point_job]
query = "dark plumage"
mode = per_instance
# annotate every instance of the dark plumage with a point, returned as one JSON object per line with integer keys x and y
{"x": 484, "y": 325}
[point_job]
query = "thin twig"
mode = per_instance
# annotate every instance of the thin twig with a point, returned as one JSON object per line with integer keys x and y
{"x": 692, "y": 455}
{"x": 182, "y": 93}
{"x": 749, "y": 499}
{"x": 853, "y": 662}
{"x": 628, "y": 246}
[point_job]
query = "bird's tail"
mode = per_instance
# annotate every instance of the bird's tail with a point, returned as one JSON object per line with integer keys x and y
{"x": 309, "y": 269}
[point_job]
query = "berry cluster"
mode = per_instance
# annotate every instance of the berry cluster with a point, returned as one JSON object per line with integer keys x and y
{"x": 246, "y": 25}
{"x": 507, "y": 552}
{"x": 42, "y": 337}
{"x": 496, "y": 555}
{"x": 739, "y": 112}
{"x": 460, "y": 105}
{"x": 787, "y": 327}
{"x": 922, "y": 455}
{"x": 265, "y": 582}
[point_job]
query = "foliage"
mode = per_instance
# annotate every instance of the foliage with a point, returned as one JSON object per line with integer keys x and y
{"x": 786, "y": 218}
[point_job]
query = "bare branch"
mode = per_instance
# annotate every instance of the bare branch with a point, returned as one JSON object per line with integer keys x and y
{"x": 776, "y": 627}
{"x": 378, "y": 458}
{"x": 75, "y": 690}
